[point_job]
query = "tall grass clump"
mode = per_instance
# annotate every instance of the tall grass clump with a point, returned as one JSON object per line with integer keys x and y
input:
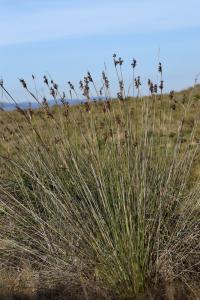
{"x": 102, "y": 196}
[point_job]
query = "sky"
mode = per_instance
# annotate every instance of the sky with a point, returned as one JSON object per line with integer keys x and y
{"x": 68, "y": 38}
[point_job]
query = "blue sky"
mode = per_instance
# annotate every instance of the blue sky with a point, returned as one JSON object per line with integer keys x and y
{"x": 68, "y": 38}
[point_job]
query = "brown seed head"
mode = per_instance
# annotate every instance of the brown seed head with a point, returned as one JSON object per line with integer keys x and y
{"x": 134, "y": 63}
{"x": 151, "y": 88}
{"x": 55, "y": 86}
{"x": 120, "y": 61}
{"x": 81, "y": 85}
{"x": 46, "y": 80}
{"x": 71, "y": 85}
{"x": 119, "y": 96}
{"x": 89, "y": 77}
{"x": 161, "y": 85}
{"x": 23, "y": 83}
{"x": 160, "y": 67}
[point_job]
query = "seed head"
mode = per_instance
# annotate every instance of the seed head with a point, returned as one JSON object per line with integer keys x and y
{"x": 137, "y": 82}
{"x": 160, "y": 68}
{"x": 71, "y": 85}
{"x": 116, "y": 62}
{"x": 121, "y": 85}
{"x": 151, "y": 88}
{"x": 23, "y": 83}
{"x": 44, "y": 101}
{"x": 119, "y": 95}
{"x": 134, "y": 63}
{"x": 46, "y": 80}
{"x": 81, "y": 85}
{"x": 63, "y": 96}
{"x": 86, "y": 87}
{"x": 120, "y": 61}
{"x": 105, "y": 79}
{"x": 89, "y": 77}
{"x": 55, "y": 86}
{"x": 161, "y": 85}
{"x": 52, "y": 92}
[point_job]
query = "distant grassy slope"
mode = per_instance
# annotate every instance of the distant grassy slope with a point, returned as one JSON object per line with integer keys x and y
{"x": 14, "y": 124}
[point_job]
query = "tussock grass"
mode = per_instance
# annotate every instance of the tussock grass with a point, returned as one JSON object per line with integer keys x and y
{"x": 105, "y": 198}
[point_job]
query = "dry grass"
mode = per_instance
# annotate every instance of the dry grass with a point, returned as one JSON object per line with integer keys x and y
{"x": 103, "y": 198}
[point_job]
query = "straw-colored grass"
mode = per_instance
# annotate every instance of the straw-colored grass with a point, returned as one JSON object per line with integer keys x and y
{"x": 105, "y": 199}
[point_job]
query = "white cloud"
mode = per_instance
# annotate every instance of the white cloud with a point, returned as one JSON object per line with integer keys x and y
{"x": 61, "y": 20}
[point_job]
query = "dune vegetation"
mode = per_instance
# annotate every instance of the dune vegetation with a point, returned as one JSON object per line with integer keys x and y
{"x": 102, "y": 200}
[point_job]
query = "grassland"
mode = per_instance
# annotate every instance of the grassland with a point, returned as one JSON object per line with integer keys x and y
{"x": 102, "y": 200}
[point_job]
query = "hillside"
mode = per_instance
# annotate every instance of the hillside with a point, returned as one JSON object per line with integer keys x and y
{"x": 102, "y": 199}
{"x": 14, "y": 123}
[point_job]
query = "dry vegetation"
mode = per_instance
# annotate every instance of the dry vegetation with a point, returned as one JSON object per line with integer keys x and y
{"x": 102, "y": 199}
